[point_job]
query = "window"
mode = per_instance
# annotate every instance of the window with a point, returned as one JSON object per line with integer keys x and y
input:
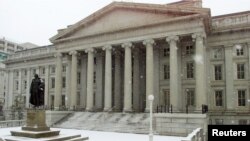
{"x": 25, "y": 84}
{"x": 189, "y": 50}
{"x": 64, "y": 68}
{"x": 95, "y": 62}
{"x": 190, "y": 70}
{"x": 239, "y": 50}
{"x": 94, "y": 77}
{"x": 43, "y": 71}
{"x": 64, "y": 82}
{"x": 218, "y": 72}
{"x": 218, "y": 53}
{"x": 17, "y": 84}
{"x": 52, "y": 83}
{"x": 166, "y": 97}
{"x": 241, "y": 97}
{"x": 166, "y": 71}
{"x": 34, "y": 71}
{"x": 78, "y": 78}
{"x": 79, "y": 62}
{"x": 166, "y": 52}
{"x": 218, "y": 98}
{"x": 53, "y": 69}
{"x": 63, "y": 100}
{"x": 242, "y": 122}
{"x": 17, "y": 73}
{"x": 241, "y": 71}
{"x": 190, "y": 97}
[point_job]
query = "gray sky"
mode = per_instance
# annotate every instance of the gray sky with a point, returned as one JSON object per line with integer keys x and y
{"x": 37, "y": 20}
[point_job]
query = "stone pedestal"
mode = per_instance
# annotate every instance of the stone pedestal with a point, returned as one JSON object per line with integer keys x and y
{"x": 35, "y": 126}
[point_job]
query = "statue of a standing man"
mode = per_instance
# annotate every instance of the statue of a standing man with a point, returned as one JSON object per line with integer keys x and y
{"x": 36, "y": 92}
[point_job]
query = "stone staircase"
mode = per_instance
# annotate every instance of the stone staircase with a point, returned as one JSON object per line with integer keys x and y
{"x": 103, "y": 121}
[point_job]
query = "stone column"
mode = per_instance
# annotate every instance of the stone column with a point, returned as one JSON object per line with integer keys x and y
{"x": 68, "y": 81}
{"x": 127, "y": 78}
{"x": 28, "y": 88}
{"x": 9, "y": 96}
{"x": 174, "y": 89}
{"x": 149, "y": 70}
{"x": 230, "y": 96}
{"x": 117, "y": 83}
{"x": 200, "y": 72}
{"x": 108, "y": 78}
{"x": 58, "y": 81}
{"x": 46, "y": 92}
{"x": 136, "y": 80}
{"x": 73, "y": 90}
{"x": 83, "y": 80}
{"x": 90, "y": 78}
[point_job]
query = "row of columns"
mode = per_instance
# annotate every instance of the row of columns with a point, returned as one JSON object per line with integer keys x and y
{"x": 174, "y": 81}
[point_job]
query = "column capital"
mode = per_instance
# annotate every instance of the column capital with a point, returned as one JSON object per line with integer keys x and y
{"x": 89, "y": 50}
{"x": 172, "y": 38}
{"x": 198, "y": 36}
{"x": 73, "y": 52}
{"x": 128, "y": 44}
{"x": 58, "y": 54}
{"x": 148, "y": 42}
{"x": 107, "y": 47}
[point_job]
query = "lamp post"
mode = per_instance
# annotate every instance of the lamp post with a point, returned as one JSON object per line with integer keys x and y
{"x": 151, "y": 98}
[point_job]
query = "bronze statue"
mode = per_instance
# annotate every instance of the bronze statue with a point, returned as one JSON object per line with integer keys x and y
{"x": 37, "y": 92}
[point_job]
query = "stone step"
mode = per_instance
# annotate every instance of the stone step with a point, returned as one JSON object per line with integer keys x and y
{"x": 78, "y": 139}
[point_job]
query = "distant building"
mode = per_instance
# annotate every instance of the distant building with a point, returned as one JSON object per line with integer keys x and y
{"x": 8, "y": 47}
{"x": 116, "y": 57}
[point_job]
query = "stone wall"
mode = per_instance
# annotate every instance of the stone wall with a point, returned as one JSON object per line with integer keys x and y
{"x": 179, "y": 124}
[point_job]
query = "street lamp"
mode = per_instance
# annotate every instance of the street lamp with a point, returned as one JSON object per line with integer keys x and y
{"x": 151, "y": 98}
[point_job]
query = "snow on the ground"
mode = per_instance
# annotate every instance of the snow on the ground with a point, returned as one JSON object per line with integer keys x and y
{"x": 103, "y": 136}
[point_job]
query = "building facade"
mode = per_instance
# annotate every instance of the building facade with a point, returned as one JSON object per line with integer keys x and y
{"x": 113, "y": 59}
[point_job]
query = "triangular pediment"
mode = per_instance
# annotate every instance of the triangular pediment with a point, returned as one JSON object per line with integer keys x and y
{"x": 120, "y": 16}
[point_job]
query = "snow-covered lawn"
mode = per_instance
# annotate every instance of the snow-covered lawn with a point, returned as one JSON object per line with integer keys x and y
{"x": 102, "y": 136}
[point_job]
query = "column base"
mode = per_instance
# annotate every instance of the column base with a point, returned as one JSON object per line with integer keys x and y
{"x": 127, "y": 110}
{"x": 146, "y": 110}
{"x": 89, "y": 109}
{"x": 108, "y": 109}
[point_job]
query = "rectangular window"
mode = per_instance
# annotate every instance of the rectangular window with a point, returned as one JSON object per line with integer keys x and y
{"x": 34, "y": 71}
{"x": 190, "y": 70}
{"x": 52, "y": 83}
{"x": 17, "y": 84}
{"x": 78, "y": 78}
{"x": 53, "y": 69}
{"x": 166, "y": 52}
{"x": 189, "y": 50}
{"x": 95, "y": 62}
{"x": 79, "y": 62}
{"x": 94, "y": 77}
{"x": 190, "y": 97}
{"x": 241, "y": 97}
{"x": 43, "y": 71}
{"x": 64, "y": 68}
{"x": 218, "y": 72}
{"x": 25, "y": 84}
{"x": 17, "y": 73}
{"x": 218, "y": 98}
{"x": 64, "y": 82}
{"x": 239, "y": 50}
{"x": 166, "y": 71}
{"x": 63, "y": 100}
{"x": 241, "y": 71}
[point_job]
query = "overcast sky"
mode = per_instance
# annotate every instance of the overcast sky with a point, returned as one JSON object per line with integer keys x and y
{"x": 38, "y": 20}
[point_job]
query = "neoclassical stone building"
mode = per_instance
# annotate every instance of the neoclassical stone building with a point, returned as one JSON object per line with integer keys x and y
{"x": 116, "y": 57}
